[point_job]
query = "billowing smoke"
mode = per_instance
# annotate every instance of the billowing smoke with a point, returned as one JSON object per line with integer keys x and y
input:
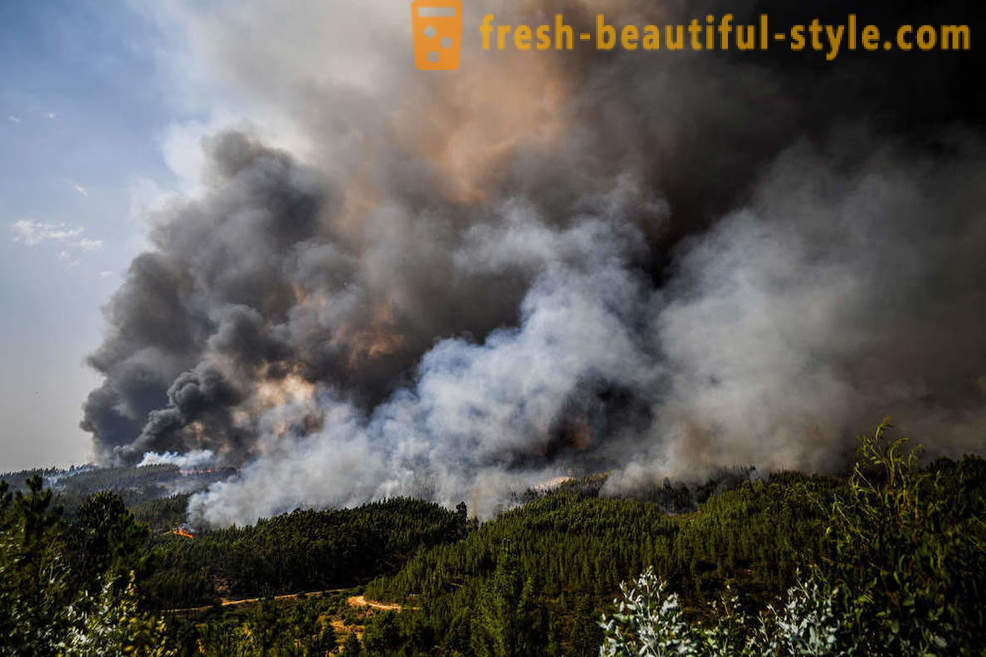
{"x": 455, "y": 286}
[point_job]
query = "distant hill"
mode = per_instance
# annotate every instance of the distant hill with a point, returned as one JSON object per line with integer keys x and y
{"x": 135, "y": 484}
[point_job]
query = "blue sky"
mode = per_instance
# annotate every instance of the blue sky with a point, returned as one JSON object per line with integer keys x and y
{"x": 83, "y": 114}
{"x": 103, "y": 105}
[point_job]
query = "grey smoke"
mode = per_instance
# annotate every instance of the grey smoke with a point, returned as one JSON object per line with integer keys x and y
{"x": 466, "y": 285}
{"x": 834, "y": 298}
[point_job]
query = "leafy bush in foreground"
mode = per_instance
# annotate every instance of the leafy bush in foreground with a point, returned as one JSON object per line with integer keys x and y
{"x": 649, "y": 622}
{"x": 903, "y": 573}
{"x": 907, "y": 550}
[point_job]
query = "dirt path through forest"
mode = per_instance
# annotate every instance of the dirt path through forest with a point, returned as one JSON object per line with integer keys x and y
{"x": 360, "y": 601}
{"x": 352, "y": 601}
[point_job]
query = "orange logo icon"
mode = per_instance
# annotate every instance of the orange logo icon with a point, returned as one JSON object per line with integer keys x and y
{"x": 437, "y": 26}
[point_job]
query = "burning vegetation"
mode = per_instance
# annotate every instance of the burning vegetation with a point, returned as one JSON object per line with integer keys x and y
{"x": 184, "y": 529}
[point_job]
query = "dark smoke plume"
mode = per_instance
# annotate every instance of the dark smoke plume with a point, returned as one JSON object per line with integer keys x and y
{"x": 656, "y": 264}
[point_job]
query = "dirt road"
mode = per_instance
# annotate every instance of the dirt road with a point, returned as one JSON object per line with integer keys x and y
{"x": 250, "y": 601}
{"x": 352, "y": 601}
{"x": 360, "y": 601}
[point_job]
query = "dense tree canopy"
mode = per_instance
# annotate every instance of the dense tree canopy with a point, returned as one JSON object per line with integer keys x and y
{"x": 890, "y": 559}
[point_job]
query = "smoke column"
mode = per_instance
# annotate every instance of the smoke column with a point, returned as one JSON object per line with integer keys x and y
{"x": 456, "y": 286}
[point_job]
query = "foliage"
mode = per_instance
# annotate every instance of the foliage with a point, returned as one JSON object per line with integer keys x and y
{"x": 112, "y": 625}
{"x": 352, "y": 647}
{"x": 809, "y": 622}
{"x": 507, "y": 623}
{"x": 301, "y": 551}
{"x": 892, "y": 560}
{"x": 162, "y": 515}
{"x": 907, "y": 549}
{"x": 47, "y": 567}
{"x": 34, "y": 583}
{"x": 901, "y": 573}
{"x": 105, "y": 538}
{"x": 649, "y": 622}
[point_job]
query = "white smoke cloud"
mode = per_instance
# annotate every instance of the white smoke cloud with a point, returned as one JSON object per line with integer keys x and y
{"x": 188, "y": 461}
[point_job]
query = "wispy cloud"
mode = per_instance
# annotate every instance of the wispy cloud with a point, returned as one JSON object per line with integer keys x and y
{"x": 13, "y": 119}
{"x": 67, "y": 258}
{"x": 33, "y": 232}
{"x": 82, "y": 190}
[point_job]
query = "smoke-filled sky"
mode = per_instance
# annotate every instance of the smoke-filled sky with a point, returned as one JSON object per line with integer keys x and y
{"x": 358, "y": 280}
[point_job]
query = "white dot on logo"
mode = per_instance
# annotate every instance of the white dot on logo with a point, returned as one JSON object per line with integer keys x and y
{"x": 433, "y": 57}
{"x": 430, "y": 31}
{"x": 446, "y": 42}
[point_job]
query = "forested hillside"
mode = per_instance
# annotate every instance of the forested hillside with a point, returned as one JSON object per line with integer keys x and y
{"x": 572, "y": 540}
{"x": 300, "y": 551}
{"x": 891, "y": 555}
